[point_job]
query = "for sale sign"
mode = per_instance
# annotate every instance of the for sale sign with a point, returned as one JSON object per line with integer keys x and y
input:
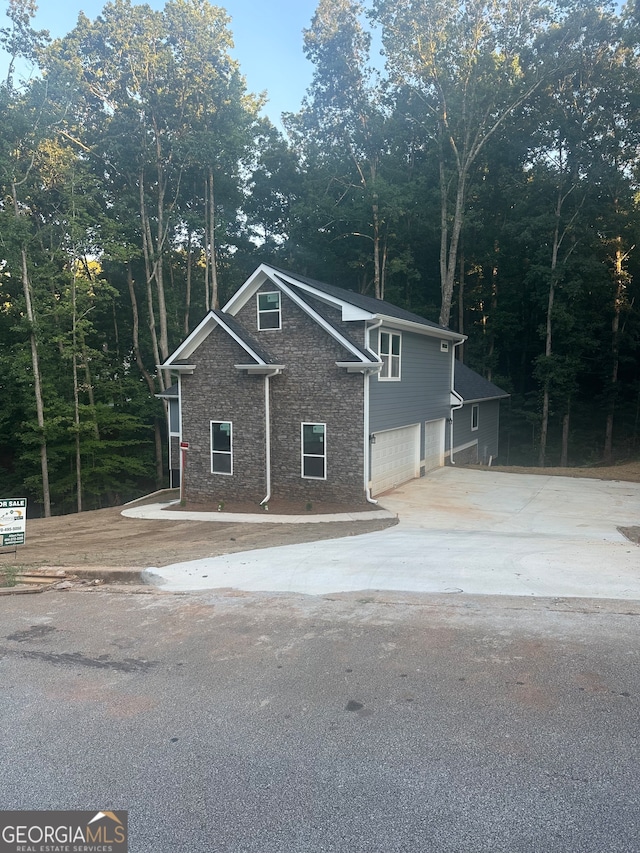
{"x": 13, "y": 521}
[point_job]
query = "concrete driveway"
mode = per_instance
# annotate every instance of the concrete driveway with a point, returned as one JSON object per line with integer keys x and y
{"x": 460, "y": 530}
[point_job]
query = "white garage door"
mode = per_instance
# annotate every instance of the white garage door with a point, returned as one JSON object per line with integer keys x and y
{"x": 395, "y": 458}
{"x": 433, "y": 444}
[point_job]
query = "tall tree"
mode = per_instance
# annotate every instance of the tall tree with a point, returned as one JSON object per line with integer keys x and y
{"x": 470, "y": 65}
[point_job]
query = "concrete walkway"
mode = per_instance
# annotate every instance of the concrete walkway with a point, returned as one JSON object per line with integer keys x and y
{"x": 161, "y": 512}
{"x": 460, "y": 530}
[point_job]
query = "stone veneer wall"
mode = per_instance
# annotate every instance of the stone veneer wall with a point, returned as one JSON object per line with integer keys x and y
{"x": 313, "y": 390}
{"x": 217, "y": 391}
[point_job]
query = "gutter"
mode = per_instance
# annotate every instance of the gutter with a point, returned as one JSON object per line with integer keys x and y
{"x": 267, "y": 440}
{"x": 453, "y": 394}
{"x": 367, "y": 437}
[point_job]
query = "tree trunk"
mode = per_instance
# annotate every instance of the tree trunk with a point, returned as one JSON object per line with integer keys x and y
{"x": 548, "y": 348}
{"x": 377, "y": 286}
{"x": 212, "y": 243}
{"x": 35, "y": 361}
{"x": 564, "y": 454}
{"x": 37, "y": 387}
{"x": 460, "y": 349}
{"x": 187, "y": 306}
{"x": 76, "y": 395}
{"x": 449, "y": 262}
{"x": 145, "y": 373}
{"x": 615, "y": 351}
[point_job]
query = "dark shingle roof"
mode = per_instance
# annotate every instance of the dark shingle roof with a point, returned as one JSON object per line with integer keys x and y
{"x": 169, "y": 393}
{"x": 471, "y": 386}
{"x": 367, "y": 303}
{"x": 230, "y": 321}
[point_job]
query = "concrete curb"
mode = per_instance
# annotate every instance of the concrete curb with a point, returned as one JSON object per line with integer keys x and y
{"x": 157, "y": 512}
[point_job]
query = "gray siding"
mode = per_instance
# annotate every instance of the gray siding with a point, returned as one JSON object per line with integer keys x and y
{"x": 423, "y": 392}
{"x": 487, "y": 433}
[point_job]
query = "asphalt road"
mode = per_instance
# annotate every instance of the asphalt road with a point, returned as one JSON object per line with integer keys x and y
{"x": 358, "y": 723}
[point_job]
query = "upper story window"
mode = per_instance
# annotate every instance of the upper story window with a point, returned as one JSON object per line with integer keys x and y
{"x": 221, "y": 447}
{"x": 269, "y": 310}
{"x": 390, "y": 349}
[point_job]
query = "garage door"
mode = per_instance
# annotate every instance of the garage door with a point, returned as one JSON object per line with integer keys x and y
{"x": 395, "y": 458}
{"x": 433, "y": 444}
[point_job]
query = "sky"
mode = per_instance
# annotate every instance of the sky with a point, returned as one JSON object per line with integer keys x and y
{"x": 267, "y": 36}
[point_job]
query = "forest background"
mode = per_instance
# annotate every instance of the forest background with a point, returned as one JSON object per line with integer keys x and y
{"x": 482, "y": 172}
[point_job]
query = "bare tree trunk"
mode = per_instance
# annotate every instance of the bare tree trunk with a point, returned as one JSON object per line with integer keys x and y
{"x": 377, "y": 287}
{"x": 145, "y": 373}
{"x": 564, "y": 453}
{"x": 35, "y": 361}
{"x": 615, "y": 351}
{"x": 212, "y": 244}
{"x": 187, "y": 307}
{"x": 76, "y": 395}
{"x": 460, "y": 349}
{"x": 37, "y": 387}
{"x": 548, "y": 348}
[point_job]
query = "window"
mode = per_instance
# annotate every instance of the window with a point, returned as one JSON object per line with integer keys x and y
{"x": 390, "y": 355}
{"x": 444, "y": 346}
{"x": 314, "y": 451}
{"x": 475, "y": 413}
{"x": 174, "y": 417}
{"x": 269, "y": 310}
{"x": 221, "y": 448}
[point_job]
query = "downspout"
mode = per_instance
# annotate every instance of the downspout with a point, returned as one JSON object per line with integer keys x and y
{"x": 367, "y": 436}
{"x": 267, "y": 440}
{"x": 453, "y": 394}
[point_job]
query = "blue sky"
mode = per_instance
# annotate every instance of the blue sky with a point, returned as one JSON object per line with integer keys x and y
{"x": 267, "y": 36}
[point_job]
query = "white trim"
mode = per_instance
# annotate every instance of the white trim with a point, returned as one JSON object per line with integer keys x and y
{"x": 485, "y": 399}
{"x": 225, "y": 452}
{"x": 444, "y": 346}
{"x": 349, "y": 311}
{"x": 267, "y": 440}
{"x": 263, "y": 311}
{"x": 200, "y": 334}
{"x": 335, "y": 334}
{"x": 381, "y": 376}
{"x": 313, "y": 455}
{"x": 460, "y": 447}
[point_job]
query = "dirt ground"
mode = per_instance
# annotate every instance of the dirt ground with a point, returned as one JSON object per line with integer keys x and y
{"x": 105, "y": 538}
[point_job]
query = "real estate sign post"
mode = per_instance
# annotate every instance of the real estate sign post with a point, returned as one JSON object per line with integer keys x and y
{"x": 13, "y": 521}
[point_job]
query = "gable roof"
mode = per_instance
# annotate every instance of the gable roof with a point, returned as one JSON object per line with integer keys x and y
{"x": 179, "y": 359}
{"x": 472, "y": 387}
{"x": 354, "y": 306}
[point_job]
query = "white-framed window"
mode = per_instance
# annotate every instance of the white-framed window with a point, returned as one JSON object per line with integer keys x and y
{"x": 390, "y": 348}
{"x": 221, "y": 447}
{"x": 444, "y": 346}
{"x": 174, "y": 417}
{"x": 475, "y": 416}
{"x": 269, "y": 310}
{"x": 314, "y": 451}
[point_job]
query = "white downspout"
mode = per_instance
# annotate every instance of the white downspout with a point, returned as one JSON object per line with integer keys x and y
{"x": 267, "y": 440}
{"x": 367, "y": 437}
{"x": 453, "y": 393}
